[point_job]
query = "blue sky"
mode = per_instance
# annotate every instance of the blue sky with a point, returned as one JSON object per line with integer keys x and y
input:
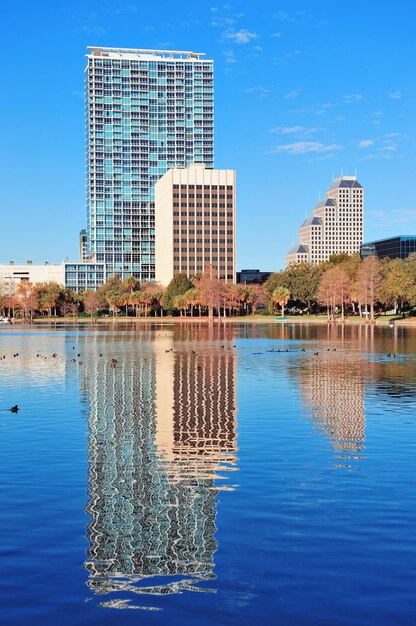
{"x": 303, "y": 90}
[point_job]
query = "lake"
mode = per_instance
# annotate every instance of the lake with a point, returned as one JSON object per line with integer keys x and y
{"x": 183, "y": 474}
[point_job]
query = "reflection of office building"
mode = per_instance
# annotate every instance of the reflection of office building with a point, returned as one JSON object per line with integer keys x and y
{"x": 334, "y": 389}
{"x": 335, "y": 226}
{"x": 195, "y": 222}
{"x": 198, "y": 432}
{"x": 152, "y": 497}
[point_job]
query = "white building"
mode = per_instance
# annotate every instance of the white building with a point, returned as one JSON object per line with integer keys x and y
{"x": 336, "y": 224}
{"x": 195, "y": 222}
{"x": 12, "y": 274}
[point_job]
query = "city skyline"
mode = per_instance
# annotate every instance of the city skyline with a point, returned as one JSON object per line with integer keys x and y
{"x": 285, "y": 110}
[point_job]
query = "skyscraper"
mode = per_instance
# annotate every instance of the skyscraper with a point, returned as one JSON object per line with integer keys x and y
{"x": 146, "y": 111}
{"x": 336, "y": 224}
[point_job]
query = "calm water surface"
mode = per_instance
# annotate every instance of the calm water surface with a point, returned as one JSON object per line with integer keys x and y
{"x": 226, "y": 476}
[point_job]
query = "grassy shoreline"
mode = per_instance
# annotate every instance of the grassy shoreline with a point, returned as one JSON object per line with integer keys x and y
{"x": 249, "y": 319}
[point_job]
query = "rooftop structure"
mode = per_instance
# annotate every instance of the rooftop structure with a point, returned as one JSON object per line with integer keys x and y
{"x": 144, "y": 53}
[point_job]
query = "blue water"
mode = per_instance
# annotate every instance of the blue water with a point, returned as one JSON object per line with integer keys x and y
{"x": 226, "y": 476}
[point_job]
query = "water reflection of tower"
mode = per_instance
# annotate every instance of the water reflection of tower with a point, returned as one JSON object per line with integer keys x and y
{"x": 198, "y": 434}
{"x": 333, "y": 386}
{"x": 143, "y": 523}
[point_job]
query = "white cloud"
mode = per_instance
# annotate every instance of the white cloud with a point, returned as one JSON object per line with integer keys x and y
{"x": 292, "y": 94}
{"x": 365, "y": 143}
{"x": 260, "y": 90}
{"x": 353, "y": 97}
{"x": 295, "y": 18}
{"x": 304, "y": 147}
{"x": 242, "y": 36}
{"x": 294, "y": 130}
{"x": 275, "y": 35}
{"x": 396, "y": 95}
{"x": 129, "y": 8}
{"x": 383, "y": 217}
{"x": 229, "y": 56}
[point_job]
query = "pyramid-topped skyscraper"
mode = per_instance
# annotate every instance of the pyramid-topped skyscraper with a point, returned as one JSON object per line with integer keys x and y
{"x": 335, "y": 226}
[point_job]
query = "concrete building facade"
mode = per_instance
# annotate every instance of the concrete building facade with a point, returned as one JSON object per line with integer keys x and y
{"x": 195, "y": 217}
{"x": 335, "y": 226}
{"x": 12, "y": 274}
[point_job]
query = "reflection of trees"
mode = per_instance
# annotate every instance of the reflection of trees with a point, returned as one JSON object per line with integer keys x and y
{"x": 335, "y": 384}
{"x": 153, "y": 504}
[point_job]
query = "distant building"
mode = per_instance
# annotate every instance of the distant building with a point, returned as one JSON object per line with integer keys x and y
{"x": 195, "y": 222}
{"x": 84, "y": 275}
{"x": 247, "y": 277}
{"x": 83, "y": 245}
{"x": 393, "y": 247}
{"x": 335, "y": 226}
{"x": 13, "y": 273}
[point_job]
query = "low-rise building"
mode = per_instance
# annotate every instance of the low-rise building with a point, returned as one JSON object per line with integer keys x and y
{"x": 12, "y": 274}
{"x": 393, "y": 247}
{"x": 248, "y": 277}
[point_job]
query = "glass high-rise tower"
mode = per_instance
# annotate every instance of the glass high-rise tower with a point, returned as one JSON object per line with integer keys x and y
{"x": 146, "y": 111}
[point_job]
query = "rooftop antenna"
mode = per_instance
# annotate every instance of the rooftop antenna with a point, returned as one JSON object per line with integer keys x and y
{"x": 332, "y": 175}
{"x": 342, "y": 171}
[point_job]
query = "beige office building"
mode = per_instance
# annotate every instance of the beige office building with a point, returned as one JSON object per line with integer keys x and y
{"x": 335, "y": 226}
{"x": 195, "y": 222}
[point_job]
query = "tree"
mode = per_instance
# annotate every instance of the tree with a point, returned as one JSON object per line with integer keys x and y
{"x": 177, "y": 287}
{"x": 91, "y": 302}
{"x": 277, "y": 279}
{"x": 302, "y": 280}
{"x": 113, "y": 285}
{"x": 115, "y": 301}
{"x": 257, "y": 298}
{"x": 333, "y": 290}
{"x": 369, "y": 279}
{"x": 209, "y": 289}
{"x": 398, "y": 284}
{"x": 27, "y": 296}
{"x": 281, "y": 296}
{"x": 48, "y": 296}
{"x": 131, "y": 283}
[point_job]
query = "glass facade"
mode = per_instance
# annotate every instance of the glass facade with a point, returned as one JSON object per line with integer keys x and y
{"x": 394, "y": 247}
{"x": 80, "y": 276}
{"x": 146, "y": 111}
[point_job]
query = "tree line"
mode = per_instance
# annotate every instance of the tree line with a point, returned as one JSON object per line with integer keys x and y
{"x": 347, "y": 285}
{"x": 343, "y": 285}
